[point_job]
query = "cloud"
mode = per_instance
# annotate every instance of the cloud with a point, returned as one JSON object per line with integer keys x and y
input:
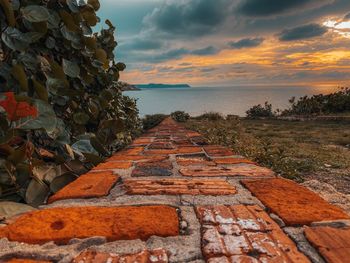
{"x": 274, "y": 7}
{"x": 302, "y": 32}
{"x": 188, "y": 17}
{"x": 142, "y": 44}
{"x": 210, "y": 50}
{"x": 180, "y": 52}
{"x": 347, "y": 17}
{"x": 246, "y": 42}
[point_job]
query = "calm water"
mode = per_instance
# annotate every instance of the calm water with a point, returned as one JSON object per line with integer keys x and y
{"x": 226, "y": 100}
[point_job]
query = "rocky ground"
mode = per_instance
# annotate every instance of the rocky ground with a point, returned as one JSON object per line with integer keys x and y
{"x": 170, "y": 197}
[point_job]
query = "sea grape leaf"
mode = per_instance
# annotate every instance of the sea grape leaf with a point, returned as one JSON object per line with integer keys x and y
{"x": 71, "y": 69}
{"x": 46, "y": 120}
{"x": 37, "y": 192}
{"x": 9, "y": 13}
{"x": 35, "y": 13}
{"x": 81, "y": 118}
{"x": 9, "y": 209}
{"x": 61, "y": 181}
{"x": 84, "y": 146}
{"x": 14, "y": 39}
{"x": 19, "y": 74}
{"x": 40, "y": 90}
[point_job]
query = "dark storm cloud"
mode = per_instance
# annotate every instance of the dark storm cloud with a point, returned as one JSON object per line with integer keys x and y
{"x": 190, "y": 17}
{"x": 142, "y": 44}
{"x": 179, "y": 53}
{"x": 302, "y": 32}
{"x": 347, "y": 17}
{"x": 246, "y": 42}
{"x": 274, "y": 7}
{"x": 205, "y": 51}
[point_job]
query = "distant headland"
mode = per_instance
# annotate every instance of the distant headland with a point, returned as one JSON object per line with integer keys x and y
{"x": 161, "y": 86}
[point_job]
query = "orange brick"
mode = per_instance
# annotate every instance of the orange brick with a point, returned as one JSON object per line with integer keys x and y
{"x": 237, "y": 170}
{"x": 142, "y": 141}
{"x": 91, "y": 256}
{"x": 232, "y": 161}
{"x": 217, "y": 150}
{"x": 235, "y": 233}
{"x": 21, "y": 260}
{"x": 89, "y": 185}
{"x": 110, "y": 165}
{"x": 194, "y": 160}
{"x": 115, "y": 223}
{"x": 179, "y": 150}
{"x": 295, "y": 204}
{"x": 332, "y": 243}
{"x": 178, "y": 187}
{"x": 130, "y": 151}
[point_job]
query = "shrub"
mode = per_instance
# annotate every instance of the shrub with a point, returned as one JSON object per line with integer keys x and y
{"x": 211, "y": 116}
{"x": 150, "y": 121}
{"x": 180, "y": 116}
{"x": 60, "y": 108}
{"x": 259, "y": 111}
{"x": 337, "y": 102}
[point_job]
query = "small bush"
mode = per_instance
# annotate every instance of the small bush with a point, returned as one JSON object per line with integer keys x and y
{"x": 150, "y": 121}
{"x": 180, "y": 116}
{"x": 211, "y": 116}
{"x": 260, "y": 111}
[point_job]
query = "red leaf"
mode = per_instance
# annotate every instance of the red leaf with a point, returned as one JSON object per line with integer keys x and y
{"x": 17, "y": 110}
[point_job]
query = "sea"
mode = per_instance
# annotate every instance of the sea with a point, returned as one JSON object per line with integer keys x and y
{"x": 225, "y": 100}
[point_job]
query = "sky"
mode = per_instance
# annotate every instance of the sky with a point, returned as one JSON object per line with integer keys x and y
{"x": 232, "y": 42}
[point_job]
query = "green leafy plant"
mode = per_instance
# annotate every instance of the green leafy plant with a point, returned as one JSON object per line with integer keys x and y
{"x": 336, "y": 102}
{"x": 211, "y": 116}
{"x": 150, "y": 121}
{"x": 180, "y": 116}
{"x": 260, "y": 111}
{"x": 61, "y": 110}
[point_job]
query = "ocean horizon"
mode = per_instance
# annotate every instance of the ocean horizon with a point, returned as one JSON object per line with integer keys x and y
{"x": 226, "y": 100}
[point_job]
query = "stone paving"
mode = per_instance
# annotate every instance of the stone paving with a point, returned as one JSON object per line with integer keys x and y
{"x": 170, "y": 197}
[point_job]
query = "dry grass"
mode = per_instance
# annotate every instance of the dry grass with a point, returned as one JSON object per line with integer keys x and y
{"x": 293, "y": 149}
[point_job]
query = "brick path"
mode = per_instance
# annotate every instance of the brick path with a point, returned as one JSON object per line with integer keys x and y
{"x": 169, "y": 197}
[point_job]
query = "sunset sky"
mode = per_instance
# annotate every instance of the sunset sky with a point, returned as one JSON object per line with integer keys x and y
{"x": 232, "y": 42}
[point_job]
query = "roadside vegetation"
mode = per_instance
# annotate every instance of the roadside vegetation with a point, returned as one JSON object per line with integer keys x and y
{"x": 295, "y": 150}
{"x": 337, "y": 103}
{"x": 61, "y": 109}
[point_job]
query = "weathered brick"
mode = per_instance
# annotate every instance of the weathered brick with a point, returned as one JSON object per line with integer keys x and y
{"x": 89, "y": 185}
{"x": 232, "y": 161}
{"x": 188, "y": 160}
{"x": 142, "y": 141}
{"x": 179, "y": 150}
{"x": 115, "y": 223}
{"x": 295, "y": 204}
{"x": 217, "y": 150}
{"x": 236, "y": 170}
{"x": 332, "y": 243}
{"x": 152, "y": 168}
{"x": 146, "y": 256}
{"x": 178, "y": 187}
{"x": 235, "y": 233}
{"x": 161, "y": 145}
{"x": 111, "y": 165}
{"x": 24, "y": 260}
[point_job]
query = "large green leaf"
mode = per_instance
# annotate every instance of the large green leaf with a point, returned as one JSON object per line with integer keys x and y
{"x": 35, "y": 13}
{"x": 84, "y": 146}
{"x": 36, "y": 193}
{"x": 46, "y": 120}
{"x": 10, "y": 209}
{"x": 61, "y": 181}
{"x": 70, "y": 68}
{"x": 15, "y": 39}
{"x": 81, "y": 118}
